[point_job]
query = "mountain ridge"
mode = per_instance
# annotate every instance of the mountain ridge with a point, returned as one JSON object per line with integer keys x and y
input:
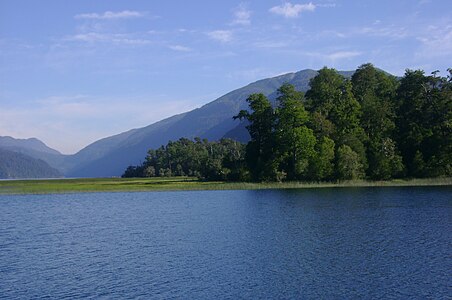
{"x": 111, "y": 155}
{"x": 213, "y": 121}
{"x": 29, "y": 143}
{"x": 16, "y": 165}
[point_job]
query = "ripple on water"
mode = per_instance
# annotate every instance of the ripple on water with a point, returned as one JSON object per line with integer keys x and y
{"x": 374, "y": 243}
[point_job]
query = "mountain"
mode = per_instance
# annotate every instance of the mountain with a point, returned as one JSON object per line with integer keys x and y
{"x": 32, "y": 144}
{"x": 110, "y": 156}
{"x": 18, "y": 165}
{"x": 37, "y": 149}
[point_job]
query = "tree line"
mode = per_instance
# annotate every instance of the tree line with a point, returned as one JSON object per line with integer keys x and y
{"x": 222, "y": 160}
{"x": 373, "y": 126}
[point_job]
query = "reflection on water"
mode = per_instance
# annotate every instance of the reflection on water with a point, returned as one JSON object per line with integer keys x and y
{"x": 327, "y": 243}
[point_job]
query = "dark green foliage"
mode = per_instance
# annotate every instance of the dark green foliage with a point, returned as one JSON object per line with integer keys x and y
{"x": 260, "y": 149}
{"x": 372, "y": 126}
{"x": 295, "y": 141}
{"x": 221, "y": 160}
{"x": 322, "y": 126}
{"x": 133, "y": 171}
{"x": 322, "y": 166}
{"x": 384, "y": 160}
{"x": 424, "y": 118}
{"x": 324, "y": 92}
{"x": 336, "y": 113}
{"x": 348, "y": 164}
{"x": 375, "y": 91}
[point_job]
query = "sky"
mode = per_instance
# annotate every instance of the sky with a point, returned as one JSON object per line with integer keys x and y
{"x": 72, "y": 72}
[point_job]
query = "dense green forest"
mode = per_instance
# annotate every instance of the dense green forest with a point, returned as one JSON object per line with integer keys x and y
{"x": 223, "y": 160}
{"x": 373, "y": 126}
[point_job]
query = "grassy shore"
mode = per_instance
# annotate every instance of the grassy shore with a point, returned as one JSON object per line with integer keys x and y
{"x": 182, "y": 183}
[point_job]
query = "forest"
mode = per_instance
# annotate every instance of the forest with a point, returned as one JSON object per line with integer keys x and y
{"x": 371, "y": 126}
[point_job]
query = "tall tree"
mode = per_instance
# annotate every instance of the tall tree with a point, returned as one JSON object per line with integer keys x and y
{"x": 325, "y": 90}
{"x": 322, "y": 166}
{"x": 424, "y": 123}
{"x": 260, "y": 149}
{"x": 375, "y": 91}
{"x": 335, "y": 108}
{"x": 348, "y": 164}
{"x": 411, "y": 125}
{"x": 294, "y": 139}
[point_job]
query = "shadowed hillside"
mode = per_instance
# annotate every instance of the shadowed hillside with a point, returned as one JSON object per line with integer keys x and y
{"x": 110, "y": 156}
{"x": 18, "y": 165}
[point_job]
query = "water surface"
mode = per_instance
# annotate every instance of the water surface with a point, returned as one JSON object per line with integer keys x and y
{"x": 338, "y": 243}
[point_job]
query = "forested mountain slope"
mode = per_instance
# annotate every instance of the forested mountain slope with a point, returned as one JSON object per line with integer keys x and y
{"x": 110, "y": 156}
{"x": 17, "y": 165}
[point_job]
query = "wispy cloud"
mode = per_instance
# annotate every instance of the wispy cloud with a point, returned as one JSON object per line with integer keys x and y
{"x": 382, "y": 31}
{"x": 223, "y": 36}
{"x": 180, "y": 48}
{"x": 270, "y": 44}
{"x": 185, "y": 30}
{"x": 377, "y": 30}
{"x": 328, "y": 57}
{"x": 88, "y": 37}
{"x": 289, "y": 10}
{"x": 242, "y": 16}
{"x": 436, "y": 41}
{"x": 92, "y": 37}
{"x": 343, "y": 55}
{"x": 108, "y": 15}
{"x": 327, "y": 5}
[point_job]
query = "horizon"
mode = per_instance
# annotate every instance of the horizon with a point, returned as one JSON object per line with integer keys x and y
{"x": 89, "y": 68}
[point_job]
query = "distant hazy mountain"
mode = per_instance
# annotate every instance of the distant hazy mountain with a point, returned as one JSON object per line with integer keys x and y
{"x": 18, "y": 165}
{"x": 110, "y": 156}
{"x": 36, "y": 149}
{"x": 29, "y": 144}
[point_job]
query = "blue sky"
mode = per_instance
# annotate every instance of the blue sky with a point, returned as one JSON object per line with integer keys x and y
{"x": 72, "y": 72}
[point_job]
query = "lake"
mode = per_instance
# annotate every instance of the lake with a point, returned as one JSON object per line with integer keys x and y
{"x": 331, "y": 243}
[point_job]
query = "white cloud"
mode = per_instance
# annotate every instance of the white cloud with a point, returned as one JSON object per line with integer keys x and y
{"x": 242, "y": 16}
{"x": 289, "y": 10}
{"x": 270, "y": 44}
{"x": 383, "y": 31}
{"x": 92, "y": 37}
{"x": 108, "y": 15}
{"x": 436, "y": 41}
{"x": 223, "y": 36}
{"x": 343, "y": 55}
{"x": 377, "y": 29}
{"x": 180, "y": 48}
{"x": 88, "y": 37}
{"x": 333, "y": 56}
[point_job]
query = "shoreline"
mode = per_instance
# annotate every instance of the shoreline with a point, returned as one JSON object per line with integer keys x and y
{"x": 158, "y": 184}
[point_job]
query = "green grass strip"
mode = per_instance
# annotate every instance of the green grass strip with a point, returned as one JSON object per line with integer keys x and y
{"x": 50, "y": 186}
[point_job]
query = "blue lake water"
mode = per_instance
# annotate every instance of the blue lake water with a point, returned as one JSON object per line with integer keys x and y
{"x": 368, "y": 243}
